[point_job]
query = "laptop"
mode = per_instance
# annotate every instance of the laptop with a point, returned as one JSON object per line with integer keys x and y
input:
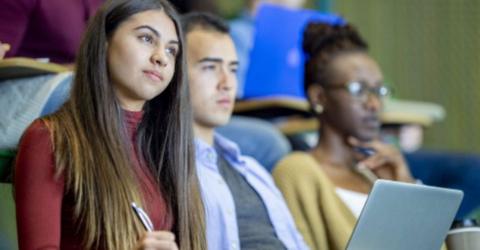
{"x": 401, "y": 216}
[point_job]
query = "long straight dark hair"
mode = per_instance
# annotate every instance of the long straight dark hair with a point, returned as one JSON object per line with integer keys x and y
{"x": 91, "y": 146}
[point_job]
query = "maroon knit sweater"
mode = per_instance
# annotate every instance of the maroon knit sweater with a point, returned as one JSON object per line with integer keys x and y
{"x": 45, "y": 212}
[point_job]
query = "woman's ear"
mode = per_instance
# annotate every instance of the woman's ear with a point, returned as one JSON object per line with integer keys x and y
{"x": 316, "y": 97}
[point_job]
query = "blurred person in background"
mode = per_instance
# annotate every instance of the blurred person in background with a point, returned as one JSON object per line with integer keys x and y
{"x": 242, "y": 31}
{"x": 45, "y": 29}
{"x": 327, "y": 186}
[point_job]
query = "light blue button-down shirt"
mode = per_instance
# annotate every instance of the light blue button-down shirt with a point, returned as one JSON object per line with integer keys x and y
{"x": 221, "y": 220}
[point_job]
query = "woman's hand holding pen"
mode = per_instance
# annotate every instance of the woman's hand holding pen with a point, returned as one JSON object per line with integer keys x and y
{"x": 154, "y": 240}
{"x": 157, "y": 240}
{"x": 386, "y": 162}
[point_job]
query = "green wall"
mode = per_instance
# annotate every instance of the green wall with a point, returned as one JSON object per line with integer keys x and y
{"x": 429, "y": 50}
{"x": 8, "y": 231}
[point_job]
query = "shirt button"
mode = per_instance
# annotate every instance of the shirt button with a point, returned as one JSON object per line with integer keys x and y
{"x": 234, "y": 246}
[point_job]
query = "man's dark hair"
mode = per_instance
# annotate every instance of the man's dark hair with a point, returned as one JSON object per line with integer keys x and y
{"x": 204, "y": 20}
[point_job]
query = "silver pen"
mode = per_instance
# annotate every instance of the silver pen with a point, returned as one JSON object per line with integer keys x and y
{"x": 143, "y": 217}
{"x": 362, "y": 169}
{"x": 366, "y": 173}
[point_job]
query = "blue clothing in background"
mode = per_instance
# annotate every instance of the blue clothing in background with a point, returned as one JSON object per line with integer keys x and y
{"x": 450, "y": 170}
{"x": 241, "y": 30}
{"x": 221, "y": 220}
{"x": 58, "y": 97}
{"x": 257, "y": 138}
{"x": 271, "y": 58}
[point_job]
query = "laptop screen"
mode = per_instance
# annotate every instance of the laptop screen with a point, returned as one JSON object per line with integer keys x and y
{"x": 405, "y": 216}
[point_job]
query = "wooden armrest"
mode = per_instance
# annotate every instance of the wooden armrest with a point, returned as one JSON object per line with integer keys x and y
{"x": 295, "y": 125}
{"x": 406, "y": 118}
{"x": 395, "y": 112}
{"x": 18, "y": 67}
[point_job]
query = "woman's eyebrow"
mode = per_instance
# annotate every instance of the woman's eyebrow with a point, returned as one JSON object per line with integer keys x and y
{"x": 153, "y": 30}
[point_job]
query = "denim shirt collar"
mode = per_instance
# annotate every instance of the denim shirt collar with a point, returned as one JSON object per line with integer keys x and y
{"x": 207, "y": 154}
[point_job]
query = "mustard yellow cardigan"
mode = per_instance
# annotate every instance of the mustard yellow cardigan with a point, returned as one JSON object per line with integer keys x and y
{"x": 321, "y": 216}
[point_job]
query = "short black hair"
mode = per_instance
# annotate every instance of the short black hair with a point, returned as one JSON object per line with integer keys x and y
{"x": 204, "y": 20}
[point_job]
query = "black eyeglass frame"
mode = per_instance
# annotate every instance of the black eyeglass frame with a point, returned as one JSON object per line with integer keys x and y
{"x": 360, "y": 90}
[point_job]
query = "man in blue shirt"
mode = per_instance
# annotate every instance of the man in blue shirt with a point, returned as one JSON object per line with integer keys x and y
{"x": 244, "y": 209}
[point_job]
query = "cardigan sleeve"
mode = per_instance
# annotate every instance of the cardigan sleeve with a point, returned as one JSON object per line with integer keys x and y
{"x": 38, "y": 193}
{"x": 323, "y": 219}
{"x": 295, "y": 182}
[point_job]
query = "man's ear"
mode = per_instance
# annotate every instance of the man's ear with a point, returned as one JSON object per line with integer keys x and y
{"x": 316, "y": 95}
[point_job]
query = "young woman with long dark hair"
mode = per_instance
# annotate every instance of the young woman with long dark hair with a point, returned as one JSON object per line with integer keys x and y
{"x": 123, "y": 136}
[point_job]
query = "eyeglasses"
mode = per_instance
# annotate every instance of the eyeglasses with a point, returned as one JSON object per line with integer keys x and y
{"x": 361, "y": 91}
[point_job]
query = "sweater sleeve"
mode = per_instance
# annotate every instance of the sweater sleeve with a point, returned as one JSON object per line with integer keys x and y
{"x": 323, "y": 219}
{"x": 38, "y": 193}
{"x": 294, "y": 180}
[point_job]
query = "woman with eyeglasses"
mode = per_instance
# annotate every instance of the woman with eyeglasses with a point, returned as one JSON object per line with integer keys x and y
{"x": 327, "y": 187}
{"x": 123, "y": 137}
